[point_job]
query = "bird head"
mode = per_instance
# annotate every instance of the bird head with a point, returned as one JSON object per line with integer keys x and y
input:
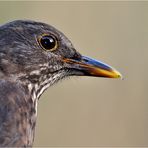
{"x": 42, "y": 55}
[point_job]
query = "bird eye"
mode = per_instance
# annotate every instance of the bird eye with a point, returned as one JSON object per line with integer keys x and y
{"x": 48, "y": 42}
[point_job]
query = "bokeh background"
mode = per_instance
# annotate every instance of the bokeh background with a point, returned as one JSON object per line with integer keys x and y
{"x": 88, "y": 111}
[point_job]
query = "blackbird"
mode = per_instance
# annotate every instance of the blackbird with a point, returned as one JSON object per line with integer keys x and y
{"x": 33, "y": 56}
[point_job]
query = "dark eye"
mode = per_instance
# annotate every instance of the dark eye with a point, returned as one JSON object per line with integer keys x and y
{"x": 48, "y": 42}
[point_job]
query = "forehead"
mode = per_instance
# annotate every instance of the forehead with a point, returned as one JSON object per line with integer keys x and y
{"x": 37, "y": 29}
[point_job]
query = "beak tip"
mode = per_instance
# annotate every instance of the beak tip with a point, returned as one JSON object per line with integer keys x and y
{"x": 118, "y": 75}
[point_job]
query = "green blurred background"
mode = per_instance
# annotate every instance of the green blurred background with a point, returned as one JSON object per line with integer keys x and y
{"x": 88, "y": 111}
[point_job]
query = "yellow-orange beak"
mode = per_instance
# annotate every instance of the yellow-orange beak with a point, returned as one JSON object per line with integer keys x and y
{"x": 90, "y": 67}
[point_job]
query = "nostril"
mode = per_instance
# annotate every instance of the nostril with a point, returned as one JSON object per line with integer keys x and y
{"x": 84, "y": 59}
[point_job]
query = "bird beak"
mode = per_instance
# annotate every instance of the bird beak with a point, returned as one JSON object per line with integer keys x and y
{"x": 90, "y": 67}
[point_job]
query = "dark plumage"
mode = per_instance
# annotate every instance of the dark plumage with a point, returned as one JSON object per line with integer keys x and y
{"x": 33, "y": 56}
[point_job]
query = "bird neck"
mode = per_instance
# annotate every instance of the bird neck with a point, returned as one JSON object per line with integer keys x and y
{"x": 17, "y": 115}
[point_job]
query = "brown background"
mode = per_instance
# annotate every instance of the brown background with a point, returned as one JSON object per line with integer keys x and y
{"x": 94, "y": 111}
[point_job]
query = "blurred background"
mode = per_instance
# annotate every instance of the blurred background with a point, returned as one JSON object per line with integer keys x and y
{"x": 88, "y": 111}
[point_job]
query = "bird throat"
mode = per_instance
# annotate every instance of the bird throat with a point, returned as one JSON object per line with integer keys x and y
{"x": 37, "y": 82}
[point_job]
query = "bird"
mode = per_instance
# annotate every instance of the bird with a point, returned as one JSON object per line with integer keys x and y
{"x": 34, "y": 56}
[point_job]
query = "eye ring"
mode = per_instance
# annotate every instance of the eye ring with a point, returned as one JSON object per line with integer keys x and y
{"x": 48, "y": 42}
